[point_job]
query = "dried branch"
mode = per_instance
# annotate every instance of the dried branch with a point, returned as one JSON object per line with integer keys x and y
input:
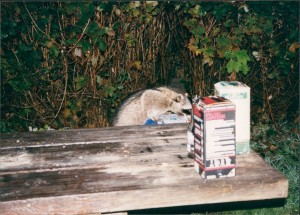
{"x": 88, "y": 22}
{"x": 34, "y": 23}
{"x": 65, "y": 92}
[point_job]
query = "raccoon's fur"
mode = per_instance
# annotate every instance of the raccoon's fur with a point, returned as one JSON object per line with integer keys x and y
{"x": 150, "y": 104}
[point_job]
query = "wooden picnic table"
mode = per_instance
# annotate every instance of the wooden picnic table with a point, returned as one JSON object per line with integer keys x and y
{"x": 118, "y": 169}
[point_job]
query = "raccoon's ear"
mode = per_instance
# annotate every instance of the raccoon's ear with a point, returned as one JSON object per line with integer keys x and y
{"x": 179, "y": 98}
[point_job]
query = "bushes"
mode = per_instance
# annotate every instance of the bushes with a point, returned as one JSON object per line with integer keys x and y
{"x": 71, "y": 64}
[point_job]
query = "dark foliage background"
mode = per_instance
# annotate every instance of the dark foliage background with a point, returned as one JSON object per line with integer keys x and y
{"x": 71, "y": 64}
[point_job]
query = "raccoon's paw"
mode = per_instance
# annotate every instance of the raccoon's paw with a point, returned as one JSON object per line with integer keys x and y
{"x": 156, "y": 119}
{"x": 187, "y": 117}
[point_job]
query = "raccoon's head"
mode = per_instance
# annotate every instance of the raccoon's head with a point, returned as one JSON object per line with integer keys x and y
{"x": 183, "y": 103}
{"x": 174, "y": 101}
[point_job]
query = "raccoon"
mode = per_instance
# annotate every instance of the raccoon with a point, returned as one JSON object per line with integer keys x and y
{"x": 150, "y": 104}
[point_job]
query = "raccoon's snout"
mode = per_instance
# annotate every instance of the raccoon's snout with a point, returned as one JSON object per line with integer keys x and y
{"x": 187, "y": 111}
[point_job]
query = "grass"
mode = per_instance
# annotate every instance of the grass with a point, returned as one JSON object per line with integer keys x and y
{"x": 279, "y": 148}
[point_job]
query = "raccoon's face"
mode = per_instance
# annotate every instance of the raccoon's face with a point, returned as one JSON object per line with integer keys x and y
{"x": 184, "y": 103}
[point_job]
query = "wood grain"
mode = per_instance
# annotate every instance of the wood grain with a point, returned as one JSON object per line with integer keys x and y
{"x": 119, "y": 169}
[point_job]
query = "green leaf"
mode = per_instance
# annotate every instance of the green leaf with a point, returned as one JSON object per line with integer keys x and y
{"x": 86, "y": 46}
{"x": 232, "y": 65}
{"x": 102, "y": 45}
{"x": 228, "y": 23}
{"x": 70, "y": 9}
{"x": 110, "y": 90}
{"x": 19, "y": 86}
{"x": 149, "y": 8}
{"x": 25, "y": 48}
{"x": 285, "y": 66}
{"x": 135, "y": 13}
{"x": 204, "y": 41}
{"x": 210, "y": 51}
{"x": 198, "y": 31}
{"x": 101, "y": 32}
{"x": 92, "y": 28}
{"x": 228, "y": 54}
{"x": 242, "y": 56}
{"x": 272, "y": 75}
{"x": 36, "y": 57}
{"x": 71, "y": 41}
{"x": 99, "y": 79}
{"x": 80, "y": 82}
{"x": 54, "y": 51}
{"x": 222, "y": 42}
{"x": 189, "y": 23}
{"x": 244, "y": 68}
{"x": 195, "y": 11}
{"x": 116, "y": 26}
{"x": 268, "y": 27}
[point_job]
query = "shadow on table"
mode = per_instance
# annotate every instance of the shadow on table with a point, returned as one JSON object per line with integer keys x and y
{"x": 211, "y": 208}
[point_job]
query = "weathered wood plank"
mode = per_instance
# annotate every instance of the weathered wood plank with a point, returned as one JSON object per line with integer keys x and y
{"x": 113, "y": 170}
{"x": 89, "y": 136}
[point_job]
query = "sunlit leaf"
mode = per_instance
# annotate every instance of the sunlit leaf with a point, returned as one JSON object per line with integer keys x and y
{"x": 242, "y": 56}
{"x": 232, "y": 66}
{"x": 137, "y": 65}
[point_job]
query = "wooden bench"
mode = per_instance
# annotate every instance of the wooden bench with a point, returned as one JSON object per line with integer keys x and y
{"x": 119, "y": 169}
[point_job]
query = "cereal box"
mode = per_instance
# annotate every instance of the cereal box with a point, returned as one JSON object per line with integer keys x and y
{"x": 214, "y": 137}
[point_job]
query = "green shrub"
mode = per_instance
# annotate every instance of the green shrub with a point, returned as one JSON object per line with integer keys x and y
{"x": 71, "y": 64}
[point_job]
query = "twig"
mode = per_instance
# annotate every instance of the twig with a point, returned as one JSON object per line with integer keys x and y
{"x": 271, "y": 112}
{"x": 60, "y": 28}
{"x": 16, "y": 56}
{"x": 34, "y": 23}
{"x": 88, "y": 22}
{"x": 64, "y": 95}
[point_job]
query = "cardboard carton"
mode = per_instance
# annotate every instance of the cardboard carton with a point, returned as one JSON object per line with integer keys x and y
{"x": 214, "y": 137}
{"x": 239, "y": 94}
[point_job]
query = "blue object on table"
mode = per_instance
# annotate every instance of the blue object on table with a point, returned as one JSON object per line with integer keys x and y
{"x": 150, "y": 122}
